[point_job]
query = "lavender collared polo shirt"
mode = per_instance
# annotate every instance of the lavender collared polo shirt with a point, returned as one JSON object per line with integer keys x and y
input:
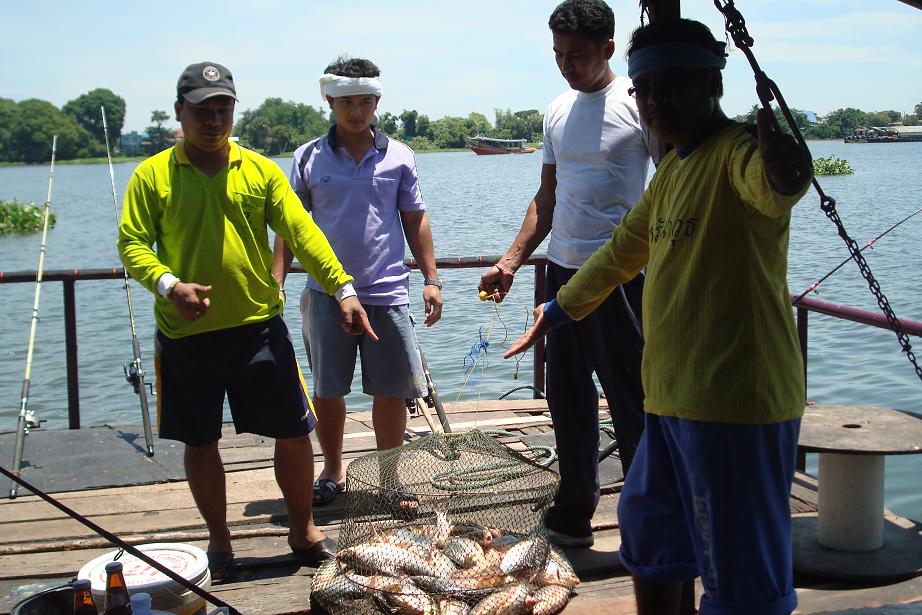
{"x": 357, "y": 206}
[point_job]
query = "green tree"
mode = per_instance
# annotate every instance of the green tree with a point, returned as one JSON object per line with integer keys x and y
{"x": 160, "y": 136}
{"x": 478, "y": 124}
{"x": 800, "y": 118}
{"x": 423, "y": 127}
{"x": 918, "y": 111}
{"x": 37, "y": 121}
{"x": 877, "y": 118}
{"x": 9, "y": 112}
{"x": 845, "y": 121}
{"x": 526, "y": 124}
{"x": 449, "y": 132}
{"x": 85, "y": 110}
{"x": 388, "y": 123}
{"x": 408, "y": 122}
{"x": 278, "y": 126}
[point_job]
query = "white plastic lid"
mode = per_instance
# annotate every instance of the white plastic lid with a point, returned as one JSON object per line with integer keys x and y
{"x": 185, "y": 560}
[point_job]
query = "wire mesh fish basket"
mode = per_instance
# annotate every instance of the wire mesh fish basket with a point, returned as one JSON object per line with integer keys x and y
{"x": 447, "y": 524}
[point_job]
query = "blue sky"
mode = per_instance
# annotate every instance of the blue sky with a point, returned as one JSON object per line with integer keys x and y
{"x": 440, "y": 58}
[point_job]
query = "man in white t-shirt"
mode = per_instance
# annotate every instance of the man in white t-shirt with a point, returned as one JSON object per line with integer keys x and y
{"x": 596, "y": 155}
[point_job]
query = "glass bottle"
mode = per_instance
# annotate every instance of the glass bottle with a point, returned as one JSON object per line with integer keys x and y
{"x": 117, "y": 599}
{"x": 83, "y": 598}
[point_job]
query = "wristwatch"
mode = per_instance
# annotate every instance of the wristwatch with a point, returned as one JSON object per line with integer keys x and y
{"x": 433, "y": 282}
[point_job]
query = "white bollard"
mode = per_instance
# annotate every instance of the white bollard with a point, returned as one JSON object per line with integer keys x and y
{"x": 850, "y": 514}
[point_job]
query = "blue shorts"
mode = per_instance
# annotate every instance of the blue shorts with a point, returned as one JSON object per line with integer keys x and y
{"x": 254, "y": 365}
{"x": 712, "y": 500}
{"x": 391, "y": 367}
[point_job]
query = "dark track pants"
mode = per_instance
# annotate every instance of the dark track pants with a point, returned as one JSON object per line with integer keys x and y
{"x": 608, "y": 342}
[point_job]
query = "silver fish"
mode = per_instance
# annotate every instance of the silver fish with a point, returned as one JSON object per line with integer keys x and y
{"x": 329, "y": 586}
{"x": 531, "y": 553}
{"x": 440, "y": 563}
{"x": 464, "y": 552}
{"x": 442, "y": 529}
{"x": 405, "y": 598}
{"x": 550, "y": 599}
{"x": 477, "y": 533}
{"x": 448, "y": 606}
{"x": 557, "y": 571}
{"x": 451, "y": 587}
{"x": 514, "y": 600}
{"x": 386, "y": 559}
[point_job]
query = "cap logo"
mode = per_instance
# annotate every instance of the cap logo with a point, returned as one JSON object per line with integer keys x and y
{"x": 211, "y": 73}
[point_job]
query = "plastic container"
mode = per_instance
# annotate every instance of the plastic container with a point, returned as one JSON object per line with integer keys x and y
{"x": 166, "y": 595}
{"x": 54, "y": 601}
{"x": 141, "y": 605}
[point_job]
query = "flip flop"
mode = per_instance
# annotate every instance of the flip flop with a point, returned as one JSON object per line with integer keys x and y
{"x": 220, "y": 564}
{"x": 401, "y": 502}
{"x": 317, "y": 553}
{"x": 326, "y": 490}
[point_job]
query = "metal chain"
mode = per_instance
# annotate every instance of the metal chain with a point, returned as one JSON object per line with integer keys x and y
{"x": 767, "y": 91}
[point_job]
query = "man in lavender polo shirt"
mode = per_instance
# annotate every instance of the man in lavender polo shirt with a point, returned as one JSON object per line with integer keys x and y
{"x": 363, "y": 192}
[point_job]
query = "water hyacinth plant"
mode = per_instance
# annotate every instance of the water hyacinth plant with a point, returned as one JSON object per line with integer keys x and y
{"x": 22, "y": 218}
{"x": 831, "y": 166}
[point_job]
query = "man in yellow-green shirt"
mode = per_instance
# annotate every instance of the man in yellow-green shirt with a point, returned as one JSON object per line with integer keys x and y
{"x": 708, "y": 493}
{"x": 206, "y": 204}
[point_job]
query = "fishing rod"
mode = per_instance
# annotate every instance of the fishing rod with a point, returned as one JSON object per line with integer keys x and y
{"x": 134, "y": 372}
{"x": 845, "y": 262}
{"x": 27, "y": 418}
{"x": 121, "y": 544}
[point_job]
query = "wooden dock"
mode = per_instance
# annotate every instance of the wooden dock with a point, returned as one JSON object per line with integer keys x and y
{"x": 101, "y": 473}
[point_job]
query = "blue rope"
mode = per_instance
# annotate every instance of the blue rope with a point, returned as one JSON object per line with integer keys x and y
{"x": 478, "y": 349}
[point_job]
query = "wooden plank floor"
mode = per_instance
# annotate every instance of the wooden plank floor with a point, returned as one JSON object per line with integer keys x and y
{"x": 41, "y": 547}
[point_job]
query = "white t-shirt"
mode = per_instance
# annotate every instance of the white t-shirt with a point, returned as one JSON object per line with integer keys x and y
{"x": 601, "y": 152}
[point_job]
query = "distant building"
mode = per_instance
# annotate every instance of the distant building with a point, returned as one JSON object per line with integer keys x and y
{"x": 811, "y": 117}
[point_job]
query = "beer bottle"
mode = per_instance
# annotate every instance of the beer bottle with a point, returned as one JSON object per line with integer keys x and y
{"x": 117, "y": 599}
{"x": 83, "y": 598}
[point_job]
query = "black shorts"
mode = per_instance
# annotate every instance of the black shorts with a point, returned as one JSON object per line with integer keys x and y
{"x": 253, "y": 364}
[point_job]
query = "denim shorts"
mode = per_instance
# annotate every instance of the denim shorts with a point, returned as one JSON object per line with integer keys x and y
{"x": 391, "y": 367}
{"x": 713, "y": 500}
{"x": 254, "y": 365}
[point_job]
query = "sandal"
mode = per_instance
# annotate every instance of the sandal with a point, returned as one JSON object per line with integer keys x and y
{"x": 401, "y": 502}
{"x": 220, "y": 564}
{"x": 317, "y": 553}
{"x": 326, "y": 490}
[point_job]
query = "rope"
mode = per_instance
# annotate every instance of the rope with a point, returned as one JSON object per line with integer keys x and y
{"x": 481, "y": 476}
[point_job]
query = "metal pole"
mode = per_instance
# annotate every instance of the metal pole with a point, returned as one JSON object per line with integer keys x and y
{"x": 70, "y": 348}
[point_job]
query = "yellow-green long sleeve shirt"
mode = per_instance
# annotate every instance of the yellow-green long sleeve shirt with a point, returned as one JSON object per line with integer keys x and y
{"x": 214, "y": 231}
{"x": 720, "y": 340}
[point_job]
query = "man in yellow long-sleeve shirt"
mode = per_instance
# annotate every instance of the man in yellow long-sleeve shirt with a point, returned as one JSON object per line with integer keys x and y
{"x": 206, "y": 204}
{"x": 707, "y": 494}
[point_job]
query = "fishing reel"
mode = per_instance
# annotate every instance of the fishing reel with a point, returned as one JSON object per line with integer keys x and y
{"x": 135, "y": 375}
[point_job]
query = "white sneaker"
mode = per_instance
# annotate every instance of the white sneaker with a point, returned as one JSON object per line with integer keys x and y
{"x": 565, "y": 540}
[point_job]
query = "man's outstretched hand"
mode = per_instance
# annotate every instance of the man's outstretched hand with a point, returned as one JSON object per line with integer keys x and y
{"x": 531, "y": 337}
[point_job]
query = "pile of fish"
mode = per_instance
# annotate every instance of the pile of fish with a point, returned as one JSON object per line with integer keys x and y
{"x": 446, "y": 568}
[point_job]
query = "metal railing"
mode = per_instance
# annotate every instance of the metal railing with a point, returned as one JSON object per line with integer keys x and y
{"x": 69, "y": 278}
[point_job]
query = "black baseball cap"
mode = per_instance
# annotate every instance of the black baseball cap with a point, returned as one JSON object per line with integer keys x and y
{"x": 204, "y": 80}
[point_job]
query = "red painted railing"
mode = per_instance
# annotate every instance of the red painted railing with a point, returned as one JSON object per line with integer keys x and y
{"x": 69, "y": 278}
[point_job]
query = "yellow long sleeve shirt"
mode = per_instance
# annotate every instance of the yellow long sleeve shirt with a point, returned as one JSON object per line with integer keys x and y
{"x": 721, "y": 344}
{"x": 214, "y": 231}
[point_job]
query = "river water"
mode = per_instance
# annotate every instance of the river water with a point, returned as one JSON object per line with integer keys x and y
{"x": 475, "y": 206}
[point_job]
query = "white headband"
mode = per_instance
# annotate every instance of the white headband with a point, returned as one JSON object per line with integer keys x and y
{"x": 335, "y": 85}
